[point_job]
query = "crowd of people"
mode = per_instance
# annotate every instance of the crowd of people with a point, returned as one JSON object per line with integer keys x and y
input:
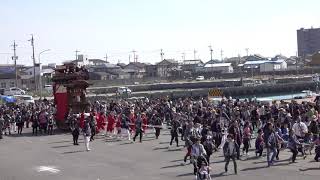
{"x": 201, "y": 126}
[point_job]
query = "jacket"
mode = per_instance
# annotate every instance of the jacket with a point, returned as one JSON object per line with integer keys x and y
{"x": 198, "y": 150}
{"x": 231, "y": 150}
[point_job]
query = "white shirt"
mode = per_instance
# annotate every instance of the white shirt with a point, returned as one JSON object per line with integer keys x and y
{"x": 300, "y": 129}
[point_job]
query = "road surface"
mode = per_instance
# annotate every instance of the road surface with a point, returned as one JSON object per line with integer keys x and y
{"x": 55, "y": 158}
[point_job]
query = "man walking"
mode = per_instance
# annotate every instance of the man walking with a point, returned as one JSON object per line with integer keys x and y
{"x": 86, "y": 134}
{"x": 230, "y": 149}
{"x": 139, "y": 130}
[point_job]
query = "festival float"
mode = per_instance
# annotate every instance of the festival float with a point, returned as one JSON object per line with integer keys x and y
{"x": 69, "y": 91}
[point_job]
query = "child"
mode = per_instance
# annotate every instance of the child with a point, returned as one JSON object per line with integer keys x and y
{"x": 259, "y": 143}
{"x": 204, "y": 173}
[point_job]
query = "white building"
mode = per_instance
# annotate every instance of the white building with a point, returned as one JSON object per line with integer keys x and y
{"x": 218, "y": 67}
{"x": 277, "y": 65}
{"x": 266, "y": 65}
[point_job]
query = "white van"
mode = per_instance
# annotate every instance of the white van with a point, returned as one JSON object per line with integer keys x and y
{"x": 24, "y": 99}
{"x": 14, "y": 91}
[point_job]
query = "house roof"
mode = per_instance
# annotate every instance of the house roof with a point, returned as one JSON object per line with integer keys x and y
{"x": 192, "y": 62}
{"x": 171, "y": 61}
{"x": 255, "y": 62}
{"x": 217, "y": 65}
{"x": 136, "y": 64}
{"x": 213, "y": 61}
{"x": 97, "y": 60}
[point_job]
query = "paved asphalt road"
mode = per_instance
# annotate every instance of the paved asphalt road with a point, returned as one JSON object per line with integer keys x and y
{"x": 55, "y": 158}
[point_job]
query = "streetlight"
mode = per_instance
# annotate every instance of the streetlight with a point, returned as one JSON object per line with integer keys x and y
{"x": 40, "y": 78}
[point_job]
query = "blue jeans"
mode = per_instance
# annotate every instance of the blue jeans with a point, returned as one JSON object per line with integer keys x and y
{"x": 272, "y": 150}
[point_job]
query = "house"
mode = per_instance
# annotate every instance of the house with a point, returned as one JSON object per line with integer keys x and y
{"x": 253, "y": 65}
{"x": 102, "y": 76}
{"x": 106, "y": 67}
{"x": 151, "y": 70}
{"x": 218, "y": 67}
{"x": 255, "y": 57}
{"x": 315, "y": 59}
{"x": 82, "y": 60}
{"x": 135, "y": 69}
{"x": 97, "y": 62}
{"x": 192, "y": 65}
{"x": 235, "y": 61}
{"x": 165, "y": 67}
{"x": 7, "y": 80}
{"x": 273, "y": 65}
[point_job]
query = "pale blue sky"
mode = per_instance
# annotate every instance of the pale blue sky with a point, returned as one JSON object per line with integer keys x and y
{"x": 94, "y": 27}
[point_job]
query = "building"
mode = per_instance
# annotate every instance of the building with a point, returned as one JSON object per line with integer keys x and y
{"x": 135, "y": 69}
{"x": 7, "y": 80}
{"x": 192, "y": 65}
{"x": 218, "y": 67}
{"x": 82, "y": 60}
{"x": 97, "y": 62}
{"x": 315, "y": 59}
{"x": 151, "y": 70}
{"x": 102, "y": 76}
{"x": 273, "y": 65}
{"x": 166, "y": 66}
{"x": 308, "y": 41}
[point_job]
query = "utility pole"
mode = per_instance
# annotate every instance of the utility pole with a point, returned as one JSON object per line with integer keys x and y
{"x": 194, "y": 54}
{"x": 161, "y": 54}
{"x": 34, "y": 63}
{"x": 129, "y": 58}
{"x": 15, "y": 57}
{"x": 211, "y": 51}
{"x": 136, "y": 58}
{"x": 134, "y": 55}
{"x": 247, "y": 50}
{"x": 76, "y": 51}
{"x": 106, "y": 57}
{"x": 221, "y": 53}
{"x": 183, "y": 56}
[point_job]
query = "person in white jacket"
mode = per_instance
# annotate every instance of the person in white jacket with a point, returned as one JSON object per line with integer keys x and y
{"x": 198, "y": 154}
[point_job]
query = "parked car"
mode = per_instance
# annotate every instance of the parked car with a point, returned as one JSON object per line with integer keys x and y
{"x": 200, "y": 78}
{"x": 123, "y": 90}
{"x": 14, "y": 91}
{"x": 24, "y": 99}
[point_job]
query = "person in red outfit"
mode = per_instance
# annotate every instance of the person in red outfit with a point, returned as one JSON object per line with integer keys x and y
{"x": 101, "y": 122}
{"x": 144, "y": 122}
{"x": 111, "y": 123}
{"x": 118, "y": 125}
{"x": 132, "y": 118}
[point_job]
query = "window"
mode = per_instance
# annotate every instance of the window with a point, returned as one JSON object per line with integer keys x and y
{"x": 3, "y": 85}
{"x": 11, "y": 84}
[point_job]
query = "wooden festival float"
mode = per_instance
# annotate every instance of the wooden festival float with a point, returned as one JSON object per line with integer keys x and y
{"x": 69, "y": 90}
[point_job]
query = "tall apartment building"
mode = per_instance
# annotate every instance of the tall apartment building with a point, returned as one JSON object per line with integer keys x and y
{"x": 308, "y": 41}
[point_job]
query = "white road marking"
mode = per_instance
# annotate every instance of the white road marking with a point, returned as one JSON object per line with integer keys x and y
{"x": 50, "y": 169}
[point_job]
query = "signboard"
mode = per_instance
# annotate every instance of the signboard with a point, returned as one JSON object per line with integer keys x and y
{"x": 215, "y": 92}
